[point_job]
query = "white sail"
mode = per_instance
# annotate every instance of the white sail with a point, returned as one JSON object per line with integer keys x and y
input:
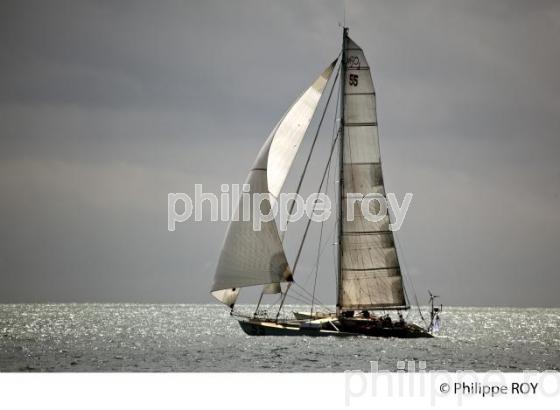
{"x": 291, "y": 130}
{"x": 370, "y": 271}
{"x": 256, "y": 257}
{"x": 250, "y": 257}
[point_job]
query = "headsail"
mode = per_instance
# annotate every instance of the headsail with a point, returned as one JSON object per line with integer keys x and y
{"x": 291, "y": 130}
{"x": 256, "y": 257}
{"x": 369, "y": 268}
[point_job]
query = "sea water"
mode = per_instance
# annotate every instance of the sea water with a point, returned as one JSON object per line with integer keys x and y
{"x": 199, "y": 338}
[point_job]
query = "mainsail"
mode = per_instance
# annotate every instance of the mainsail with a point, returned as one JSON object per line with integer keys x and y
{"x": 370, "y": 275}
{"x": 252, "y": 257}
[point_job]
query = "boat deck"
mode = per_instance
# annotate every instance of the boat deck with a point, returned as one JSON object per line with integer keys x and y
{"x": 325, "y": 327}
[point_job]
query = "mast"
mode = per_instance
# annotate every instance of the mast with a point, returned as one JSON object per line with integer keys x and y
{"x": 341, "y": 171}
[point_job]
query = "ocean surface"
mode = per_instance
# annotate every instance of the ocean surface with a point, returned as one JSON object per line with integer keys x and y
{"x": 204, "y": 338}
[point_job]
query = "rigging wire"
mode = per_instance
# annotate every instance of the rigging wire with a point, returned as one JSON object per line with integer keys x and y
{"x": 326, "y": 243}
{"x": 329, "y": 168}
{"x": 313, "y": 210}
{"x": 305, "y": 302}
{"x": 300, "y": 182}
{"x": 307, "y": 298}
{"x": 307, "y": 292}
{"x": 318, "y": 260}
{"x": 409, "y": 279}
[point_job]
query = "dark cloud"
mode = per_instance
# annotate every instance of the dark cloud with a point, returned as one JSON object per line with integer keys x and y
{"x": 105, "y": 107}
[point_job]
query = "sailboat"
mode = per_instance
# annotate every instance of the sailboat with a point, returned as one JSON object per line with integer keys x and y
{"x": 369, "y": 279}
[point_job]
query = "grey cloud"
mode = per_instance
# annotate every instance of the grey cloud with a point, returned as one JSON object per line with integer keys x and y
{"x": 107, "y": 106}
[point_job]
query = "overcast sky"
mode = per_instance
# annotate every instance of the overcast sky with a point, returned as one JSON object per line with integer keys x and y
{"x": 106, "y": 106}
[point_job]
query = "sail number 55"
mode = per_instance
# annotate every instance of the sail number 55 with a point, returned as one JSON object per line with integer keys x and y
{"x": 353, "y": 80}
